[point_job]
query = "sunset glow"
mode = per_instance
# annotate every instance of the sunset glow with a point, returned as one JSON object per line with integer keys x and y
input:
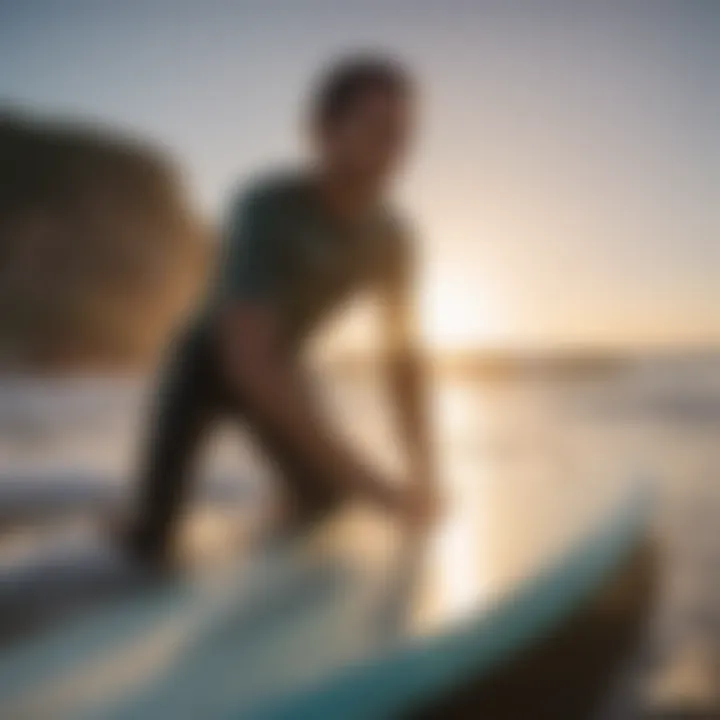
{"x": 455, "y": 316}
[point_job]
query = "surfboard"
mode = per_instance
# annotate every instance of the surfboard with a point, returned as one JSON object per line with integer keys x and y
{"x": 354, "y": 619}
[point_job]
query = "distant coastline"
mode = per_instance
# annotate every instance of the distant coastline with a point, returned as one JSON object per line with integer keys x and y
{"x": 562, "y": 363}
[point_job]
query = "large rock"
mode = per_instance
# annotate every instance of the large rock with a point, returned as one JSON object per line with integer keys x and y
{"x": 99, "y": 252}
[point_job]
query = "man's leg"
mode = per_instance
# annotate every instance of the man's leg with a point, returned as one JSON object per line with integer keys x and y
{"x": 191, "y": 397}
{"x": 184, "y": 411}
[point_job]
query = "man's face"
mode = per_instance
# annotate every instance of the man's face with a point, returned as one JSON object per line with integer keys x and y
{"x": 369, "y": 141}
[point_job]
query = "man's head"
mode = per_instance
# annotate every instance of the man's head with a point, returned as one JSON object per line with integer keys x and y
{"x": 362, "y": 118}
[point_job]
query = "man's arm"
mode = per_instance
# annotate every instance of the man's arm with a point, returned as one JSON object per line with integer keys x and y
{"x": 257, "y": 365}
{"x": 407, "y": 378}
{"x": 272, "y": 382}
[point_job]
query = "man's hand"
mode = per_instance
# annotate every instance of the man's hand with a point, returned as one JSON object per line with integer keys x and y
{"x": 417, "y": 506}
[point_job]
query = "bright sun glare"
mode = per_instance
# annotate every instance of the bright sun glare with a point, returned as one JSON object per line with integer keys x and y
{"x": 454, "y": 316}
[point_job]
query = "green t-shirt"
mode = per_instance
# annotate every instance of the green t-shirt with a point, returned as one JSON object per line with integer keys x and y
{"x": 282, "y": 248}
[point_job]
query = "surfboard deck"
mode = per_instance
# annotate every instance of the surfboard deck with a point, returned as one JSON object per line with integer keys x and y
{"x": 353, "y": 615}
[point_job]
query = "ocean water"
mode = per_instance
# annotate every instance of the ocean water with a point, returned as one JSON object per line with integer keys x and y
{"x": 68, "y": 444}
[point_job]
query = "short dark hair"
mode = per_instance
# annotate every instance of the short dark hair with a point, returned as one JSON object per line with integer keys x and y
{"x": 346, "y": 81}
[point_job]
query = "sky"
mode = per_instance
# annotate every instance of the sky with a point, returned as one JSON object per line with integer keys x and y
{"x": 566, "y": 182}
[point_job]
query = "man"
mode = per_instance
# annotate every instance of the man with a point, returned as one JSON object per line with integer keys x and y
{"x": 297, "y": 247}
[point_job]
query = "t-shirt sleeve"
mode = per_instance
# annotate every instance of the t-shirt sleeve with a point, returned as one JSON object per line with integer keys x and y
{"x": 398, "y": 271}
{"x": 249, "y": 263}
{"x": 398, "y": 290}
